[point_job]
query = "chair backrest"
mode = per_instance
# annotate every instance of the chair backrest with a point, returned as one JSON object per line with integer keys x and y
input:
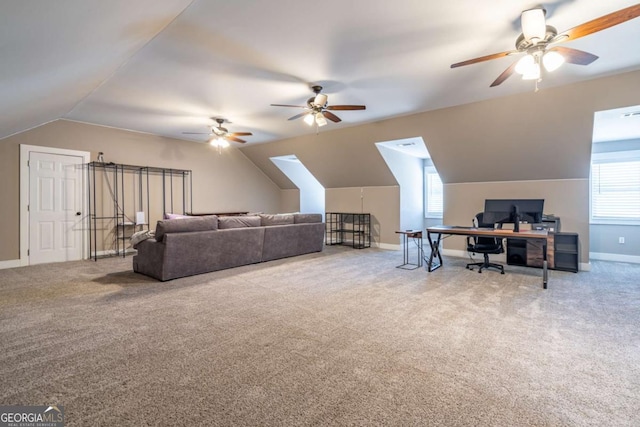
{"x": 480, "y": 221}
{"x": 485, "y": 240}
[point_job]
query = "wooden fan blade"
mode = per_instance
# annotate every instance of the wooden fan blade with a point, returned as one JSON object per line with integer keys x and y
{"x": 346, "y": 107}
{"x": 240, "y": 133}
{"x": 575, "y": 56}
{"x": 602, "y": 23}
{"x": 484, "y": 58}
{"x": 287, "y": 105}
{"x": 297, "y": 116}
{"x": 232, "y": 138}
{"x": 505, "y": 75}
{"x": 196, "y": 133}
{"x": 329, "y": 115}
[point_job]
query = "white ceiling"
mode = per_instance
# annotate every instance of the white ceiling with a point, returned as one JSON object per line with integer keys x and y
{"x": 617, "y": 124}
{"x": 167, "y": 66}
{"x": 412, "y": 146}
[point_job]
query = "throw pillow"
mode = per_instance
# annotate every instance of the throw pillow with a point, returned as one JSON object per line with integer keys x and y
{"x": 238, "y": 221}
{"x": 192, "y": 223}
{"x": 175, "y": 216}
{"x": 307, "y": 218}
{"x": 276, "y": 219}
{"x": 140, "y": 236}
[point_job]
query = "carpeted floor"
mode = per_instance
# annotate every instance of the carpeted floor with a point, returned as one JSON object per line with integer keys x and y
{"x": 336, "y": 338}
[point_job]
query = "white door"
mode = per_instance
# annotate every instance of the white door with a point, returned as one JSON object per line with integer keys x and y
{"x": 55, "y": 207}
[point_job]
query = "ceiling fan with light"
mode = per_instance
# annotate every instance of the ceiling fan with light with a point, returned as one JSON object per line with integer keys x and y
{"x": 538, "y": 40}
{"x": 317, "y": 109}
{"x": 220, "y": 135}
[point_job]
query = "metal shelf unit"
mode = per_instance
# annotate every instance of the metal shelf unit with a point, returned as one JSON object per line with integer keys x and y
{"x": 566, "y": 252}
{"x": 352, "y": 229}
{"x": 115, "y": 215}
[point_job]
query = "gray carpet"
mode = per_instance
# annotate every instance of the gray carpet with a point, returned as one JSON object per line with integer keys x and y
{"x": 337, "y": 338}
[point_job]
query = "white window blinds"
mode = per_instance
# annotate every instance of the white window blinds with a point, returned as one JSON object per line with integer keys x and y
{"x": 615, "y": 187}
{"x": 434, "y": 193}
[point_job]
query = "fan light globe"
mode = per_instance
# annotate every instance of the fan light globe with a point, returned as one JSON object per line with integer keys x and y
{"x": 526, "y": 65}
{"x": 552, "y": 60}
{"x": 533, "y": 73}
{"x": 320, "y": 100}
{"x": 308, "y": 119}
{"x": 534, "y": 27}
{"x": 219, "y": 142}
{"x": 320, "y": 120}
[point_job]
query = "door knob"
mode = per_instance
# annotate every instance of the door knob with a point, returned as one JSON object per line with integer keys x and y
{"x": 78, "y": 213}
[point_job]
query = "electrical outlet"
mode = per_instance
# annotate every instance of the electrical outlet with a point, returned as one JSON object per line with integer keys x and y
{"x": 621, "y": 240}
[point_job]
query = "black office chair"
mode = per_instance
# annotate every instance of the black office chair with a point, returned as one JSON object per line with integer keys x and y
{"x": 484, "y": 246}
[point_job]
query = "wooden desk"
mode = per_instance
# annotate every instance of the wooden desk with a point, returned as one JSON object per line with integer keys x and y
{"x": 486, "y": 232}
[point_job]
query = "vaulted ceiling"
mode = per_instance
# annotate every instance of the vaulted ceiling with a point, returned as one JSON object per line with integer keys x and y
{"x": 167, "y": 66}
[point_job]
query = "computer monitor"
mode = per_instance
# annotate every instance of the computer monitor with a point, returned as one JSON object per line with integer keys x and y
{"x": 500, "y": 211}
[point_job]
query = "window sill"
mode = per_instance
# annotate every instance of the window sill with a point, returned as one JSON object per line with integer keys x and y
{"x": 614, "y": 222}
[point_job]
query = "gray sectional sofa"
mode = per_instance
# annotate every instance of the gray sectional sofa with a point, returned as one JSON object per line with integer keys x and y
{"x": 201, "y": 244}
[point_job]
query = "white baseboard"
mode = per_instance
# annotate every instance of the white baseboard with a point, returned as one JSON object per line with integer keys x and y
{"x": 388, "y": 246}
{"x": 112, "y": 252}
{"x": 584, "y": 266}
{"x": 12, "y": 263}
{"x": 615, "y": 257}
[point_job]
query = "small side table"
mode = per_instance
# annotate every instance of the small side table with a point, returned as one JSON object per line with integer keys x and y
{"x": 416, "y": 235}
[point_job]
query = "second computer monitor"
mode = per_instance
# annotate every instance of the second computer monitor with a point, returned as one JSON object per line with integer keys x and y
{"x": 500, "y": 211}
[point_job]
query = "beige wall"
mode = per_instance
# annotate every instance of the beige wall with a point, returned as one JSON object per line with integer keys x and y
{"x": 531, "y": 136}
{"x": 290, "y": 200}
{"x": 221, "y": 182}
{"x": 535, "y": 136}
{"x": 337, "y": 159}
{"x": 383, "y": 203}
{"x": 567, "y": 199}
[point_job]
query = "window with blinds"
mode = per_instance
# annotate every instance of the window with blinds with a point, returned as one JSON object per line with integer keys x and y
{"x": 433, "y": 193}
{"x": 615, "y": 187}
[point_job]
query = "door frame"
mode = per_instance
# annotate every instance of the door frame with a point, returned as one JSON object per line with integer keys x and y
{"x": 25, "y": 151}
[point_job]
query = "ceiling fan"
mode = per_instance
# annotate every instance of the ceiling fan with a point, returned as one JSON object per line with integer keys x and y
{"x": 538, "y": 39}
{"x": 221, "y": 135}
{"x": 317, "y": 109}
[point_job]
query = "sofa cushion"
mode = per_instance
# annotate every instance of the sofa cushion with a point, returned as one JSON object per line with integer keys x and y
{"x": 303, "y": 218}
{"x": 276, "y": 219}
{"x": 282, "y": 241}
{"x": 194, "y": 223}
{"x": 238, "y": 221}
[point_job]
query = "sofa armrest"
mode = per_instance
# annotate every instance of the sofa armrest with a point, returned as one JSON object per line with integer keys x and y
{"x": 149, "y": 259}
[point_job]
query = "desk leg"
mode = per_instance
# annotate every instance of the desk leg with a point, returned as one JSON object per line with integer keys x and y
{"x": 544, "y": 265}
{"x": 406, "y": 249}
{"x": 435, "y": 252}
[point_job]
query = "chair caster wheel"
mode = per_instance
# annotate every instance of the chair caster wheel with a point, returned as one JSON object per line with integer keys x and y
{"x": 479, "y": 271}
{"x": 502, "y": 272}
